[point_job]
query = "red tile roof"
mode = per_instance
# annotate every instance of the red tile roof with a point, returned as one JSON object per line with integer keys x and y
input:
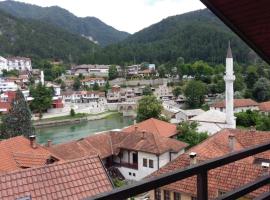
{"x": 16, "y": 153}
{"x": 264, "y": 106}
{"x": 76, "y": 179}
{"x": 107, "y": 144}
{"x": 155, "y": 126}
{"x": 241, "y": 172}
{"x": 237, "y": 103}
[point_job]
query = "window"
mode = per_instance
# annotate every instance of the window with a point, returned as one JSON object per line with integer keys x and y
{"x": 151, "y": 163}
{"x": 129, "y": 173}
{"x": 167, "y": 195}
{"x": 157, "y": 194}
{"x": 145, "y": 162}
{"x": 220, "y": 193}
{"x": 134, "y": 174}
{"x": 176, "y": 196}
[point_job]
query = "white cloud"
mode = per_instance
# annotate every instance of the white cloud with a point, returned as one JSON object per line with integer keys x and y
{"x": 126, "y": 15}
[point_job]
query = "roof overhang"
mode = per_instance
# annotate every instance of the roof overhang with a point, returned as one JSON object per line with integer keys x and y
{"x": 249, "y": 19}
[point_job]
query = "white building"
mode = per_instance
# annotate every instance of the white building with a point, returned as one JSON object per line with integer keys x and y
{"x": 90, "y": 82}
{"x": 134, "y": 154}
{"x": 240, "y": 105}
{"x": 19, "y": 63}
{"x": 185, "y": 115}
{"x": 8, "y": 86}
{"x": 86, "y": 70}
{"x": 83, "y": 96}
{"x": 3, "y": 64}
{"x": 56, "y": 88}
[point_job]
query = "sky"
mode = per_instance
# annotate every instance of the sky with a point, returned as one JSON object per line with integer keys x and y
{"x": 124, "y": 15}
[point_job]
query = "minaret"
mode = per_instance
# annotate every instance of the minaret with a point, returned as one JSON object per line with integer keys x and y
{"x": 229, "y": 79}
{"x": 42, "y": 78}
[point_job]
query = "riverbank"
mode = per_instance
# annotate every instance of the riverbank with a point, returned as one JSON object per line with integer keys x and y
{"x": 69, "y": 120}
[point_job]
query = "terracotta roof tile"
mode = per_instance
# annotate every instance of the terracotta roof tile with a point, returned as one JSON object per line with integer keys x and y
{"x": 156, "y": 126}
{"x": 52, "y": 182}
{"x": 237, "y": 103}
{"x": 225, "y": 178}
{"x": 264, "y": 106}
{"x": 16, "y": 153}
{"x": 110, "y": 143}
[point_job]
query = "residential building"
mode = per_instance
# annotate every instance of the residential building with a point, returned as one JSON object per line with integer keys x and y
{"x": 155, "y": 126}
{"x": 163, "y": 92}
{"x": 264, "y": 107}
{"x": 90, "y": 82}
{"x": 83, "y": 96}
{"x": 134, "y": 154}
{"x": 76, "y": 179}
{"x": 116, "y": 94}
{"x": 185, "y": 115}
{"x": 3, "y": 64}
{"x": 223, "y": 179}
{"x": 6, "y": 85}
{"x": 87, "y": 70}
{"x": 20, "y": 153}
{"x": 56, "y": 88}
{"x": 240, "y": 105}
{"x": 19, "y": 63}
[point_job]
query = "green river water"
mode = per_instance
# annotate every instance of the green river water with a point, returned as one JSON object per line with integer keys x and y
{"x": 65, "y": 133}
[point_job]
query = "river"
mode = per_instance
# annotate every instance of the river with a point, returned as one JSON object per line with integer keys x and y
{"x": 65, "y": 133}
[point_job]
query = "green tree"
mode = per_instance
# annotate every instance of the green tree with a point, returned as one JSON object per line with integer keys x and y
{"x": 42, "y": 98}
{"x": 177, "y": 91}
{"x": 148, "y": 107}
{"x": 261, "y": 90}
{"x": 147, "y": 90}
{"x": 72, "y": 112}
{"x": 18, "y": 120}
{"x": 195, "y": 92}
{"x": 251, "y": 76}
{"x": 113, "y": 73}
{"x": 162, "y": 71}
{"x": 95, "y": 86}
{"x": 77, "y": 84}
{"x": 189, "y": 133}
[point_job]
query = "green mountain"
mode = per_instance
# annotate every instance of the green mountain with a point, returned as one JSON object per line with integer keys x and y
{"x": 89, "y": 27}
{"x": 197, "y": 35}
{"x": 31, "y": 38}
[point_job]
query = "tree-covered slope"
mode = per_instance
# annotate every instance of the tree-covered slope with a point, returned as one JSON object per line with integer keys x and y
{"x": 90, "y": 27}
{"x": 197, "y": 35}
{"x": 39, "y": 40}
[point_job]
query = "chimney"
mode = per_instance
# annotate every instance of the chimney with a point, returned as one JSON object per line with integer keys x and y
{"x": 49, "y": 143}
{"x": 231, "y": 138}
{"x": 33, "y": 143}
{"x": 143, "y": 134}
{"x": 193, "y": 159}
{"x": 136, "y": 128}
{"x": 265, "y": 167}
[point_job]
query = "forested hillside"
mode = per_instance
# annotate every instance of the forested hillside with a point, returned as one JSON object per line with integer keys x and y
{"x": 197, "y": 35}
{"x": 90, "y": 27}
{"x": 39, "y": 40}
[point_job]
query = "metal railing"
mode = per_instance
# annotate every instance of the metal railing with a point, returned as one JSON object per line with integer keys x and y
{"x": 201, "y": 170}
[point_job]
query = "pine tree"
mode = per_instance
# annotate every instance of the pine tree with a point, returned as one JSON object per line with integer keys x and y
{"x": 18, "y": 120}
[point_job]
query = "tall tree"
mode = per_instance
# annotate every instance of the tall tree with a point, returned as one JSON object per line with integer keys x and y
{"x": 113, "y": 72}
{"x": 42, "y": 99}
{"x": 149, "y": 107}
{"x": 18, "y": 120}
{"x": 261, "y": 90}
{"x": 77, "y": 84}
{"x": 195, "y": 92}
{"x": 147, "y": 90}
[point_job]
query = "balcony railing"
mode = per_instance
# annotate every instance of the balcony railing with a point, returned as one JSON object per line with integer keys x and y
{"x": 201, "y": 170}
{"x": 127, "y": 165}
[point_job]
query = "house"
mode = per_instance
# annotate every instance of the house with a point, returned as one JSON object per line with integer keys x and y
{"x": 222, "y": 179}
{"x": 163, "y": 92}
{"x": 6, "y": 100}
{"x": 87, "y": 70}
{"x": 155, "y": 126}
{"x": 77, "y": 179}
{"x": 210, "y": 121}
{"x": 264, "y": 107}
{"x": 185, "y": 115}
{"x": 240, "y": 105}
{"x": 90, "y": 82}
{"x": 20, "y": 153}
{"x": 116, "y": 94}
{"x": 19, "y": 63}
{"x": 134, "y": 154}
{"x": 83, "y": 96}
{"x": 6, "y": 85}
{"x": 3, "y": 64}
{"x": 56, "y": 88}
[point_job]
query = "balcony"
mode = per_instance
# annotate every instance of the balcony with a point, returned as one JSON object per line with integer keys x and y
{"x": 127, "y": 165}
{"x": 201, "y": 170}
